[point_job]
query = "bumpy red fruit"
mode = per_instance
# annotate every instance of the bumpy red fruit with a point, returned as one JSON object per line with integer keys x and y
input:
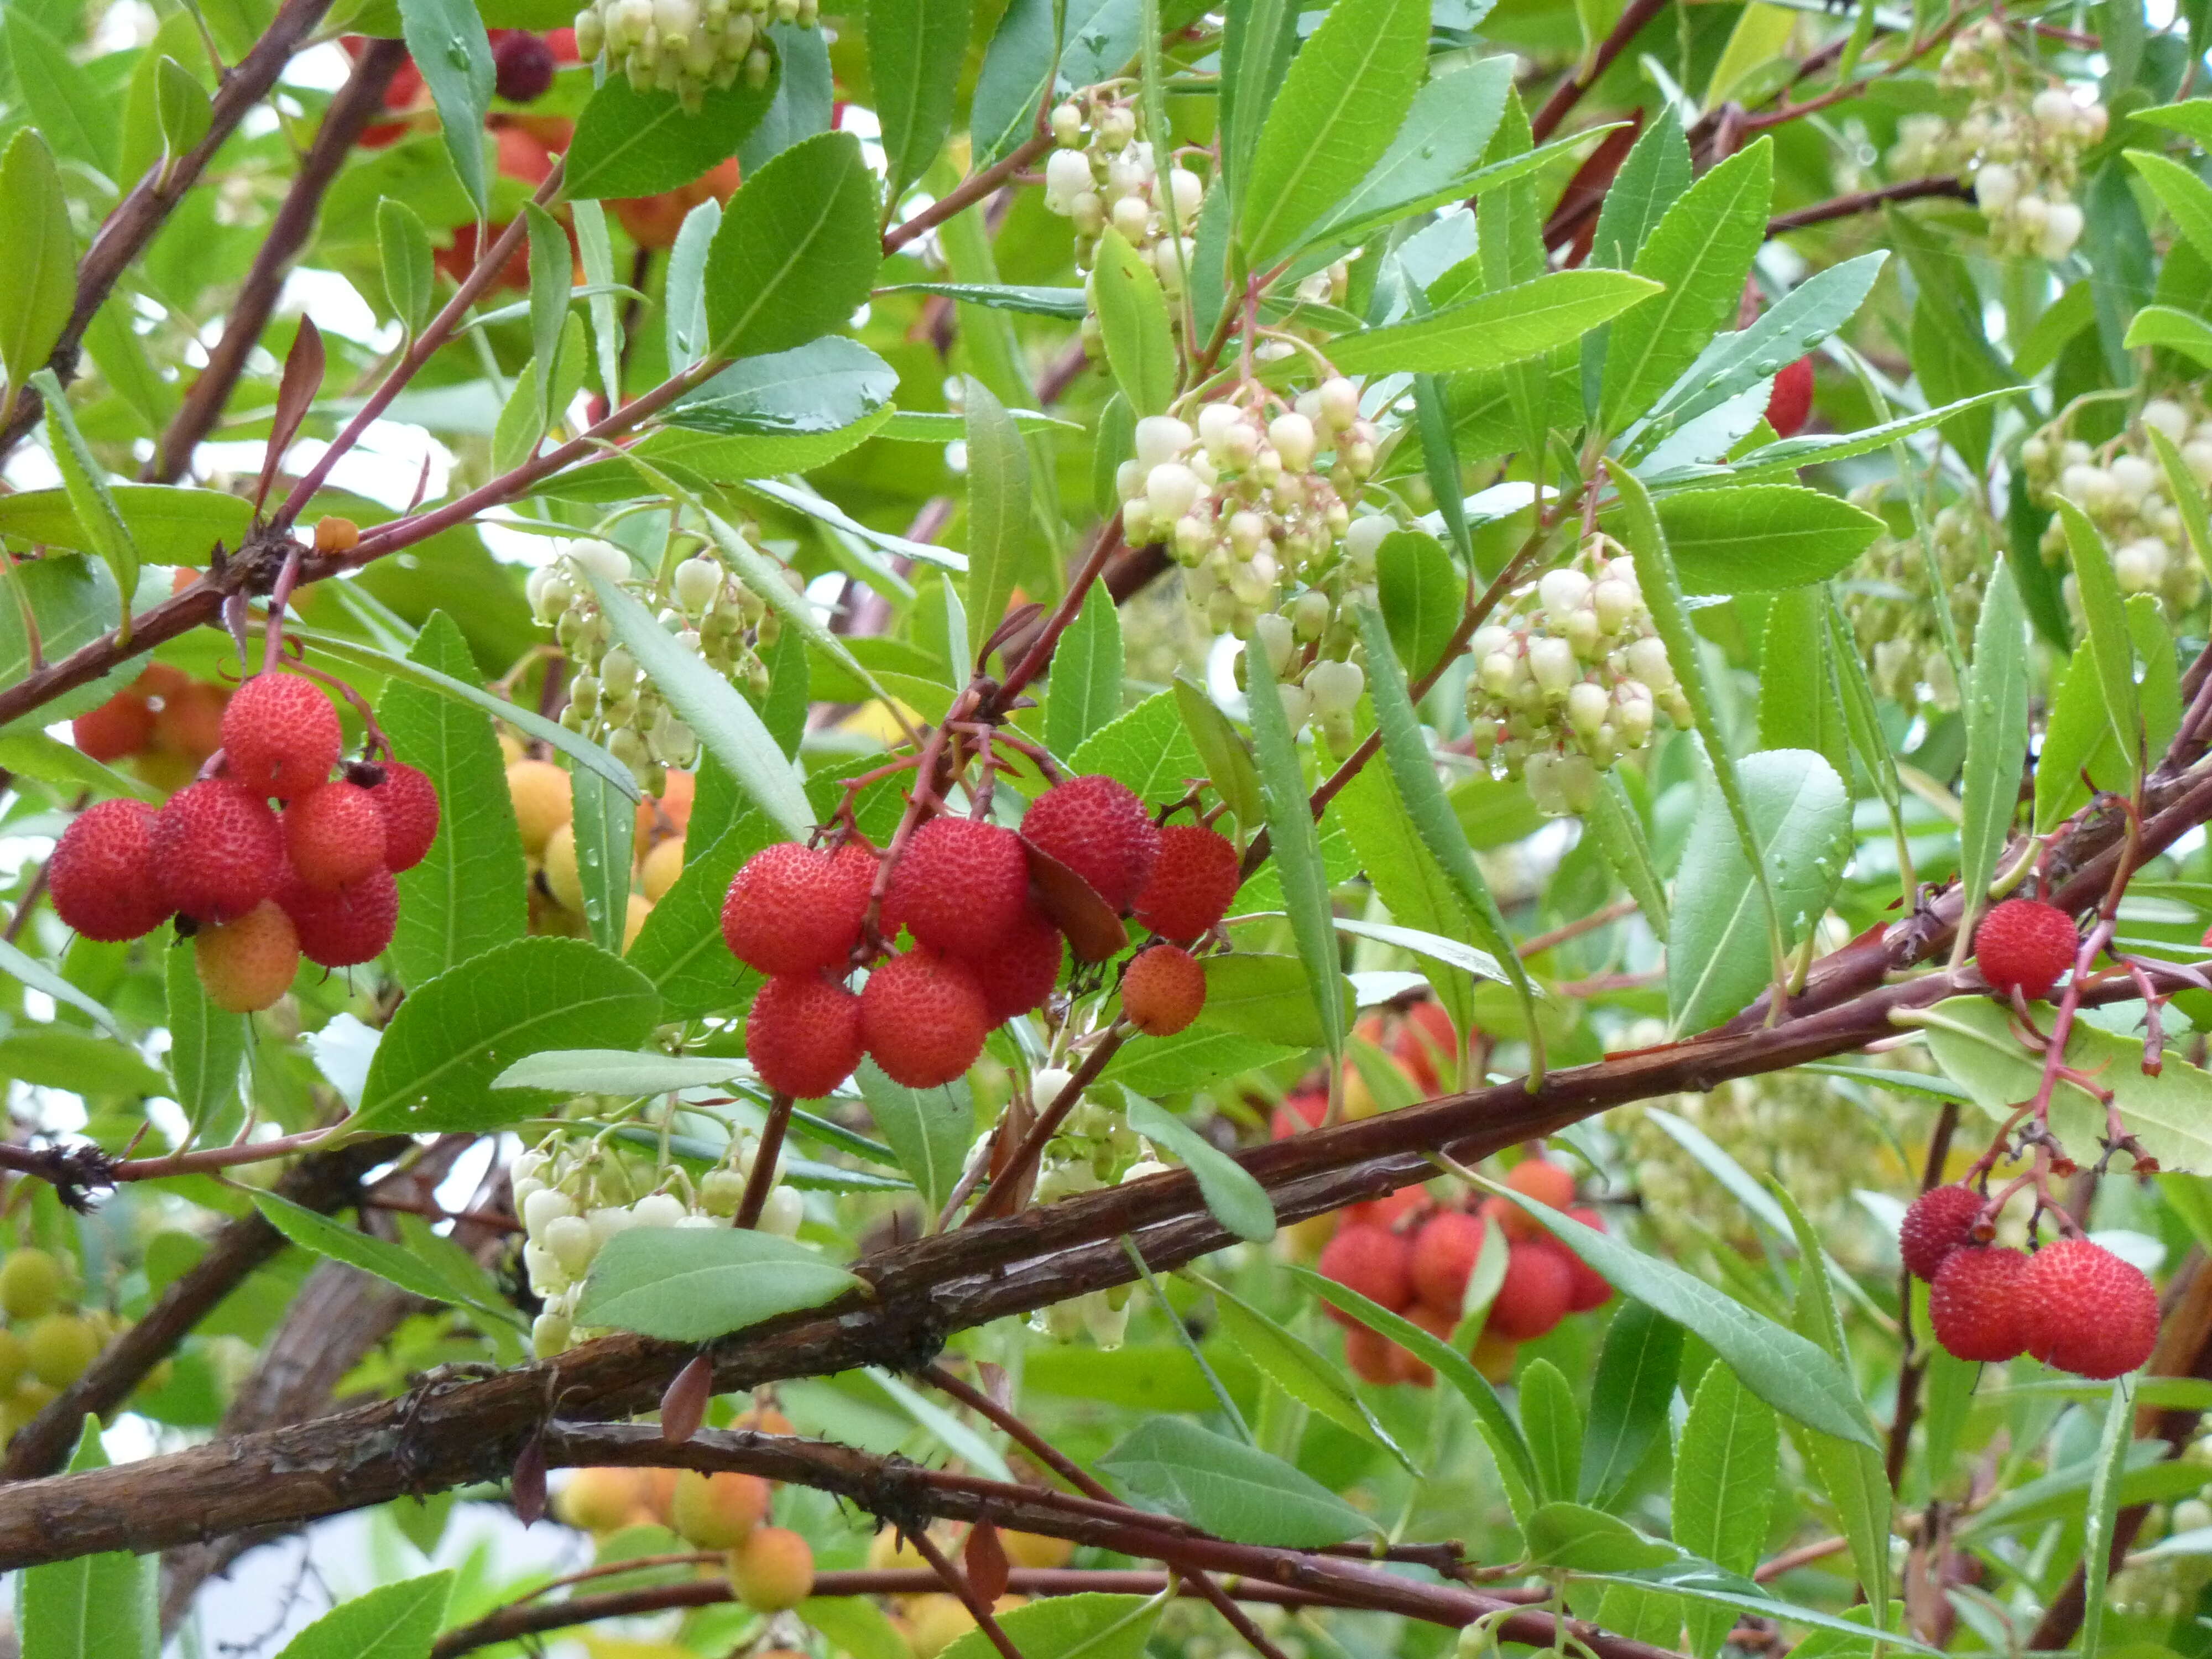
{"x": 1939, "y": 1221}
{"x": 522, "y": 67}
{"x": 1532, "y": 1177}
{"x": 2083, "y": 1309}
{"x": 1378, "y": 1265}
{"x": 1591, "y": 1288}
{"x": 1369, "y": 1354}
{"x": 122, "y": 725}
{"x": 280, "y": 735}
{"x": 102, "y": 875}
{"x": 1535, "y": 1293}
{"x": 1163, "y": 990}
{"x": 334, "y": 835}
{"x": 1791, "y": 401}
{"x": 1193, "y": 881}
{"x": 1018, "y": 974}
{"x": 409, "y": 801}
{"x": 218, "y": 850}
{"x": 923, "y": 1019}
{"x": 958, "y": 886}
{"x": 2025, "y": 945}
{"x": 245, "y": 965}
{"x": 791, "y": 910}
{"x": 1445, "y": 1251}
{"x": 803, "y": 1034}
{"x": 1974, "y": 1303}
{"x": 1099, "y": 829}
{"x": 1425, "y": 1041}
{"x": 345, "y": 929}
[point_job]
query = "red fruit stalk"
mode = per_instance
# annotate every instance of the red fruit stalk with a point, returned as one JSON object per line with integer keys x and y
{"x": 2024, "y": 945}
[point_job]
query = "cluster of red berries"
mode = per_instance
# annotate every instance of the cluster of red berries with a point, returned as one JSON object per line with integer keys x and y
{"x": 2072, "y": 1305}
{"x": 1416, "y": 1259}
{"x": 260, "y": 888}
{"x": 986, "y": 946}
{"x": 2024, "y": 945}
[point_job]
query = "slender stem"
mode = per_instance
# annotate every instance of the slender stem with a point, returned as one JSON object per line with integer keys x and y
{"x": 764, "y": 1159}
{"x": 1866, "y": 201}
{"x": 969, "y": 191}
{"x": 957, "y": 1581}
{"x": 1569, "y": 92}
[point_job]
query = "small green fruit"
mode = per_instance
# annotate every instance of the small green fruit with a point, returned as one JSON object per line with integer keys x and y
{"x": 60, "y": 1346}
{"x": 31, "y": 1283}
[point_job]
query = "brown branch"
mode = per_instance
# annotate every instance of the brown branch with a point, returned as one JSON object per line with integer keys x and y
{"x": 951, "y": 1578}
{"x": 357, "y": 100}
{"x": 765, "y": 1154}
{"x": 969, "y": 191}
{"x": 1866, "y": 201}
{"x": 141, "y": 213}
{"x": 1915, "y": 1369}
{"x": 1569, "y": 92}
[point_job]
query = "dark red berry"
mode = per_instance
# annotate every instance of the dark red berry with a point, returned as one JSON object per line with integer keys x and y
{"x": 345, "y": 929}
{"x": 1939, "y": 1221}
{"x": 1974, "y": 1304}
{"x": 2083, "y": 1309}
{"x": 1791, "y": 403}
{"x": 410, "y": 802}
{"x": 522, "y": 66}
{"x": 101, "y": 874}
{"x": 218, "y": 850}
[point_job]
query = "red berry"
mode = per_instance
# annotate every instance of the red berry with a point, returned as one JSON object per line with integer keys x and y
{"x": 122, "y": 725}
{"x": 334, "y": 835}
{"x": 1425, "y": 1040}
{"x": 1531, "y": 1177}
{"x": 1020, "y": 973}
{"x": 1591, "y": 1288}
{"x": 1445, "y": 1251}
{"x": 1369, "y": 1356}
{"x": 101, "y": 874}
{"x": 1099, "y": 829}
{"x": 2082, "y": 1309}
{"x": 1302, "y": 1109}
{"x": 1974, "y": 1303}
{"x": 1405, "y": 1365}
{"x": 1791, "y": 401}
{"x": 1163, "y": 990}
{"x": 345, "y": 929}
{"x": 280, "y": 735}
{"x": 1195, "y": 878}
{"x": 1941, "y": 1220}
{"x": 1535, "y": 1293}
{"x": 794, "y": 910}
{"x": 923, "y": 1019}
{"x": 2025, "y": 945}
{"x": 803, "y": 1034}
{"x": 959, "y": 886}
{"x": 245, "y": 965}
{"x": 1389, "y": 1210}
{"x": 410, "y": 802}
{"x": 218, "y": 850}
{"x": 1378, "y": 1265}
{"x": 522, "y": 66}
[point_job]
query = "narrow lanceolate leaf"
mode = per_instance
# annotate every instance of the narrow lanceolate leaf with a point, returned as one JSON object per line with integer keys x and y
{"x": 447, "y": 41}
{"x": 2187, "y": 496}
{"x": 1133, "y": 319}
{"x": 394, "y": 1621}
{"x": 1347, "y": 91}
{"x": 930, "y": 1129}
{"x": 604, "y": 824}
{"x": 2104, "y": 1510}
{"x": 596, "y": 252}
{"x": 722, "y": 720}
{"x": 94, "y": 1606}
{"x": 206, "y": 1045}
{"x": 402, "y": 246}
{"x": 2187, "y": 198}
{"x": 37, "y": 258}
{"x": 1415, "y": 773}
{"x": 692, "y": 1284}
{"x": 1700, "y": 251}
{"x": 1436, "y": 152}
{"x": 182, "y": 105}
{"x": 1084, "y": 689}
{"x": 395, "y": 1264}
{"x": 1725, "y": 1473}
{"x": 1628, "y": 1401}
{"x": 797, "y": 249}
{"x": 2110, "y": 646}
{"x": 1257, "y": 40}
{"x": 1997, "y": 736}
{"x": 88, "y": 495}
{"x": 1237, "y": 1201}
{"x": 629, "y": 142}
{"x": 1494, "y": 330}
{"x": 1299, "y": 1369}
{"x": 1237, "y": 1492}
{"x": 1296, "y": 847}
{"x": 552, "y": 264}
{"x": 999, "y": 516}
{"x": 915, "y": 49}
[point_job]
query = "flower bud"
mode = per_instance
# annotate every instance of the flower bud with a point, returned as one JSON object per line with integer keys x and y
{"x": 1561, "y": 591}
{"x": 549, "y": 1332}
{"x": 1297, "y": 706}
{"x": 1552, "y": 661}
{"x": 1067, "y": 127}
{"x": 541, "y": 1209}
{"x": 569, "y": 1239}
{"x": 1647, "y": 660}
{"x": 1188, "y": 192}
{"x": 1335, "y": 686}
{"x": 1273, "y": 634}
{"x": 2164, "y": 416}
{"x": 1309, "y": 616}
{"x": 1159, "y": 439}
{"x": 1292, "y": 436}
{"x": 2061, "y": 230}
{"x": 1996, "y": 186}
{"x": 783, "y": 1211}
{"x": 1340, "y": 403}
{"x": 1172, "y": 490}
{"x": 1067, "y": 175}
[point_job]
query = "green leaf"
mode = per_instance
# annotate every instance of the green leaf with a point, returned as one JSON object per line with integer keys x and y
{"x": 1295, "y": 847}
{"x": 182, "y": 106}
{"x": 1756, "y": 537}
{"x": 1084, "y": 691}
{"x": 1189, "y": 1060}
{"x": 1628, "y": 1401}
{"x": 88, "y": 495}
{"x": 469, "y": 893}
{"x": 1027, "y": 56}
{"x": 403, "y": 244}
{"x": 2177, "y": 331}
{"x": 1651, "y": 180}
{"x": 552, "y": 265}
{"x": 856, "y": 1626}
{"x": 1133, "y": 320}
{"x": 2104, "y": 1510}
{"x": 2110, "y": 646}
{"x": 434, "y": 1066}
{"x": 2187, "y": 198}
{"x": 1796, "y": 1378}
{"x": 1237, "y": 1201}
{"x": 604, "y": 824}
{"x": 394, "y": 1621}
{"x": 914, "y": 52}
{"x": 825, "y": 386}
{"x": 1701, "y": 1582}
{"x": 1173, "y": 1467}
{"x": 680, "y": 948}
{"x": 60, "y": 97}
{"x": 2188, "y": 495}
{"x": 724, "y": 721}
{"x": 1420, "y": 898}
{"x": 171, "y": 526}
{"x": 1092, "y": 1625}
{"x": 998, "y": 511}
{"x": 2192, "y": 118}
{"x": 1492, "y": 330}
{"x": 616, "y": 1071}
{"x": 1997, "y": 737}
{"x": 1223, "y": 755}
{"x": 1717, "y": 955}
{"x": 1069, "y": 305}
{"x": 629, "y": 142}
{"x": 797, "y": 250}
{"x": 1799, "y": 707}
{"x": 394, "y": 1263}
{"x": 448, "y": 42}
{"x": 29, "y": 970}
{"x": 1257, "y": 40}
{"x": 1299, "y": 1369}
{"x": 1700, "y": 251}
{"x": 206, "y": 1046}
{"x": 1575, "y": 1536}
{"x": 1267, "y": 996}
{"x": 1347, "y": 94}
{"x": 1554, "y": 1425}
{"x": 696, "y": 1284}
{"x": 1725, "y": 1474}
{"x": 930, "y": 1129}
{"x": 38, "y": 257}
{"x": 1422, "y": 594}
{"x": 1436, "y": 156}
{"x": 92, "y": 1606}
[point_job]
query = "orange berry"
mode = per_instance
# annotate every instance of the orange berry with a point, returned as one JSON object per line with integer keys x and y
{"x": 1163, "y": 990}
{"x": 336, "y": 535}
{"x": 122, "y": 725}
{"x": 247, "y": 965}
{"x": 772, "y": 1569}
{"x": 717, "y": 1511}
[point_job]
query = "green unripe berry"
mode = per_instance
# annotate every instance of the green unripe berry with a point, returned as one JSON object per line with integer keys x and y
{"x": 31, "y": 1283}
{"x": 60, "y": 1346}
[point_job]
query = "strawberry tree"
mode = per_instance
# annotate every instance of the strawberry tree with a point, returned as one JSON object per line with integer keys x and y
{"x": 1071, "y": 827}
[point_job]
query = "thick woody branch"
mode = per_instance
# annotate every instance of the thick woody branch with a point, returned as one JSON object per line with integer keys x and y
{"x": 146, "y": 208}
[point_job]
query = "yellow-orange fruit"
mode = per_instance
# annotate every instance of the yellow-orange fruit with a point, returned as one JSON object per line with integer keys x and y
{"x": 934, "y": 1622}
{"x": 660, "y": 868}
{"x": 772, "y": 1569}
{"x": 892, "y": 1550}
{"x": 763, "y": 1419}
{"x": 539, "y": 790}
{"x": 600, "y": 1500}
{"x": 336, "y": 535}
{"x": 245, "y": 965}
{"x": 563, "y": 879}
{"x": 633, "y": 917}
{"x": 1029, "y": 1549}
{"x": 717, "y": 1511}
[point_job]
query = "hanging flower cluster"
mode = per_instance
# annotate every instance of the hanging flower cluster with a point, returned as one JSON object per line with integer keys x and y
{"x": 1891, "y": 603}
{"x": 1103, "y": 175}
{"x": 687, "y": 46}
{"x": 2122, "y": 488}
